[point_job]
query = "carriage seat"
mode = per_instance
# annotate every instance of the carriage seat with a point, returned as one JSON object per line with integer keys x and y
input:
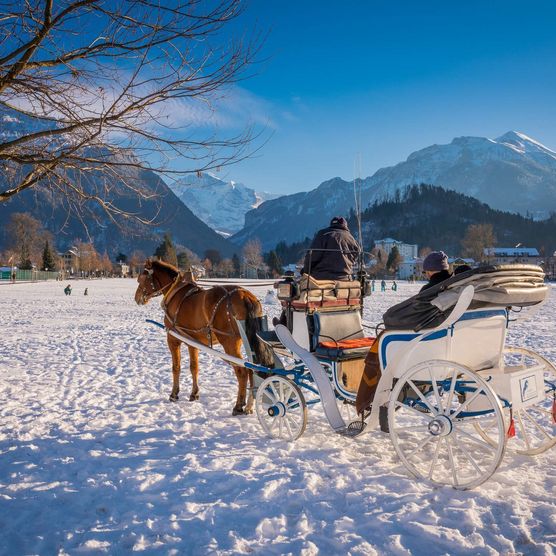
{"x": 327, "y": 293}
{"x": 339, "y": 335}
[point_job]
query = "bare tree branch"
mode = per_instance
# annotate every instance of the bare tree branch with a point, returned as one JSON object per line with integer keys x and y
{"x": 93, "y": 84}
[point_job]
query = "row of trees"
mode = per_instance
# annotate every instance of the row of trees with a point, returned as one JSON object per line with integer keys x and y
{"x": 252, "y": 262}
{"x": 31, "y": 246}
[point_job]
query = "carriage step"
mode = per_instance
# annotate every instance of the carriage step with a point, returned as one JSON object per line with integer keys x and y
{"x": 355, "y": 428}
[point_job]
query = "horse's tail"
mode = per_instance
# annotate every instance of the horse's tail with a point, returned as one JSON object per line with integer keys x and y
{"x": 263, "y": 354}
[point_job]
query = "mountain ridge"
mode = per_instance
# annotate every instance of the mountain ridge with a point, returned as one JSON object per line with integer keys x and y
{"x": 513, "y": 173}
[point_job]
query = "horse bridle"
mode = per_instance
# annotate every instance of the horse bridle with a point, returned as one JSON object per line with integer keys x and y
{"x": 156, "y": 291}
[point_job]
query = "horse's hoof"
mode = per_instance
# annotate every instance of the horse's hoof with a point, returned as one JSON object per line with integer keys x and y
{"x": 237, "y": 411}
{"x": 248, "y": 412}
{"x": 174, "y": 397}
{"x": 193, "y": 397}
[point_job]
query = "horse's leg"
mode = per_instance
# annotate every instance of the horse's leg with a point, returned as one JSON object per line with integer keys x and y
{"x": 175, "y": 350}
{"x": 241, "y": 374}
{"x": 194, "y": 368}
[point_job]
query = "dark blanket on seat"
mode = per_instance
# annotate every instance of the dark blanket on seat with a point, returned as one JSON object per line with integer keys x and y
{"x": 504, "y": 285}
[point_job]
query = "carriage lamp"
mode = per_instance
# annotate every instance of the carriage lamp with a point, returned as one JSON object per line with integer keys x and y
{"x": 284, "y": 290}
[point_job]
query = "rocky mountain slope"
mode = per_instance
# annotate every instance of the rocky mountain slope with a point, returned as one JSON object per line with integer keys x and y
{"x": 513, "y": 173}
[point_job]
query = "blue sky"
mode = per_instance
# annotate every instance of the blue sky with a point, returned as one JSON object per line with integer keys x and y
{"x": 377, "y": 80}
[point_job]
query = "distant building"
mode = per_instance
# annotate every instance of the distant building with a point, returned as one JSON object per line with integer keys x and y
{"x": 509, "y": 255}
{"x": 410, "y": 268}
{"x": 407, "y": 250}
{"x": 70, "y": 260}
{"x": 122, "y": 269}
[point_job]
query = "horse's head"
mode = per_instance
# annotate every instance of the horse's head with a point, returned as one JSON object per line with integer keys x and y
{"x": 155, "y": 280}
{"x": 147, "y": 287}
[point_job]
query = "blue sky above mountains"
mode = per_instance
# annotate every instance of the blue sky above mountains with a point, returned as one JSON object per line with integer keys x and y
{"x": 381, "y": 79}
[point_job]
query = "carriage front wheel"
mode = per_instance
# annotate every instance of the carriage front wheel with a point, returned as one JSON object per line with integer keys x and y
{"x": 431, "y": 415}
{"x": 281, "y": 408}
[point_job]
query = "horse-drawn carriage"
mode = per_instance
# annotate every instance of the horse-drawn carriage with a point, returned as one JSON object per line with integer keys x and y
{"x": 452, "y": 395}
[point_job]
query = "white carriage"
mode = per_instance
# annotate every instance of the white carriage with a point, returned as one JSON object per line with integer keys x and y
{"x": 456, "y": 395}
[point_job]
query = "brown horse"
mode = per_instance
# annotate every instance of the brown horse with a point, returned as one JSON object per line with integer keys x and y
{"x": 207, "y": 316}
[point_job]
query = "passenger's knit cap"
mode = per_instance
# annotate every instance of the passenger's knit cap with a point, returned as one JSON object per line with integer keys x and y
{"x": 436, "y": 261}
{"x": 339, "y": 222}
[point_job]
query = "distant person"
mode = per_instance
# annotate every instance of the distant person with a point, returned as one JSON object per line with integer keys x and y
{"x": 383, "y": 286}
{"x": 86, "y": 292}
{"x": 13, "y": 276}
{"x": 67, "y": 289}
{"x": 436, "y": 269}
{"x": 394, "y": 286}
{"x": 333, "y": 252}
{"x": 373, "y": 284}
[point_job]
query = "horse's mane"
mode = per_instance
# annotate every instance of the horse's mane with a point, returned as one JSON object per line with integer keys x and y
{"x": 165, "y": 267}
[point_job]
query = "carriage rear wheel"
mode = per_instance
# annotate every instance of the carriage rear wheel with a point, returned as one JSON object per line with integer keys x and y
{"x": 535, "y": 426}
{"x": 281, "y": 408}
{"x": 432, "y": 424}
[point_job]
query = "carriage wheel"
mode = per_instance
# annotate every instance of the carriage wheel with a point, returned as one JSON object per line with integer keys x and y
{"x": 432, "y": 424}
{"x": 535, "y": 429}
{"x": 281, "y": 408}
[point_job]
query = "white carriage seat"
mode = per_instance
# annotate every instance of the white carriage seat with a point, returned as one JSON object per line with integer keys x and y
{"x": 476, "y": 341}
{"x": 339, "y": 335}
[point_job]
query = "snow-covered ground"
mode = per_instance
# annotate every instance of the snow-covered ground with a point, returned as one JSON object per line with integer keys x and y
{"x": 95, "y": 459}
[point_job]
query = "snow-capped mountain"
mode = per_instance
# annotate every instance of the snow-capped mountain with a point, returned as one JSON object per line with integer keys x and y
{"x": 220, "y": 204}
{"x": 513, "y": 173}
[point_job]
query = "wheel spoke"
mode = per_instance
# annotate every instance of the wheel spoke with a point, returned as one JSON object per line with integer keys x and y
{"x": 280, "y": 426}
{"x": 287, "y": 424}
{"x": 523, "y": 432}
{"x": 435, "y": 390}
{"x": 476, "y": 440}
{"x": 451, "y": 393}
{"x": 411, "y": 408}
{"x": 276, "y": 396}
{"x": 421, "y": 446}
{"x": 412, "y": 428}
{"x": 467, "y": 402}
{"x": 435, "y": 457}
{"x": 470, "y": 459}
{"x": 273, "y": 422}
{"x": 292, "y": 422}
{"x": 537, "y": 425}
{"x": 451, "y": 459}
{"x": 423, "y": 399}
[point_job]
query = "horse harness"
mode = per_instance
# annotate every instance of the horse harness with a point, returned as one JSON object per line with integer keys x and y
{"x": 178, "y": 286}
{"x": 156, "y": 291}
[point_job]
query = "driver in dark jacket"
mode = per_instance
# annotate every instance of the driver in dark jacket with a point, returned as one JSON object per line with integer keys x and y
{"x": 332, "y": 253}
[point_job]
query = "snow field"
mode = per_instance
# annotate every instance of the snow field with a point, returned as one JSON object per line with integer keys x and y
{"x": 95, "y": 459}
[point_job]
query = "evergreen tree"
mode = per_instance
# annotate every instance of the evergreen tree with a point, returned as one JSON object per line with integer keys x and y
{"x": 48, "y": 262}
{"x": 394, "y": 259}
{"x": 183, "y": 260}
{"x": 237, "y": 264}
{"x": 274, "y": 263}
{"x": 166, "y": 251}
